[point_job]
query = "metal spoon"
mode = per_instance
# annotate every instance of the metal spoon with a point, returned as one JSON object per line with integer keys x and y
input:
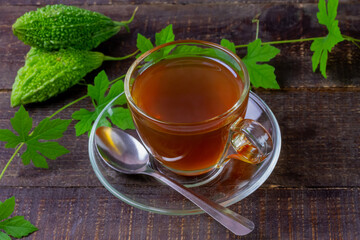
{"x": 125, "y": 154}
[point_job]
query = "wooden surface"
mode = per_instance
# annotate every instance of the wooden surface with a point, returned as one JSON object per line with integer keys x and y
{"x": 313, "y": 193}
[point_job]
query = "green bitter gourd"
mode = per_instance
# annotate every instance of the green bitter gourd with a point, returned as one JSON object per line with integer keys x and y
{"x": 59, "y": 26}
{"x": 46, "y": 74}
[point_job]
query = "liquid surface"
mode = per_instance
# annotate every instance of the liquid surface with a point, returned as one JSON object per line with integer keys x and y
{"x": 187, "y": 90}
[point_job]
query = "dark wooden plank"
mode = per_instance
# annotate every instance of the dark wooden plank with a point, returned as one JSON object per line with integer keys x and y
{"x": 320, "y": 133}
{"x": 93, "y": 213}
{"x": 143, "y": 2}
{"x": 212, "y": 22}
{"x": 313, "y": 192}
{"x": 320, "y": 137}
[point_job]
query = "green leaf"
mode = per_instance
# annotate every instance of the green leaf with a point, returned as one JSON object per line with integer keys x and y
{"x": 85, "y": 118}
{"x": 165, "y": 35}
{"x": 51, "y": 150}
{"x": 8, "y": 136}
{"x": 192, "y": 50}
{"x": 31, "y": 155}
{"x": 50, "y": 129}
{"x": 258, "y": 53}
{"x": 17, "y": 227}
{"x": 114, "y": 91}
{"x": 4, "y": 236}
{"x": 229, "y": 45}
{"x": 101, "y": 85}
{"x": 46, "y": 130}
{"x": 143, "y": 44}
{"x": 36, "y": 146}
{"x": 6, "y": 208}
{"x": 121, "y": 117}
{"x": 22, "y": 123}
{"x": 100, "y": 99}
{"x": 195, "y": 51}
{"x": 120, "y": 100}
{"x": 261, "y": 75}
{"x": 321, "y": 47}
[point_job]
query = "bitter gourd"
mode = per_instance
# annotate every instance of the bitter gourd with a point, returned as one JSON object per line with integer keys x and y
{"x": 46, "y": 74}
{"x": 59, "y": 26}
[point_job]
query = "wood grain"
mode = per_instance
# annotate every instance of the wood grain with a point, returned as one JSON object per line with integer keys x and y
{"x": 212, "y": 22}
{"x": 319, "y": 132}
{"x": 93, "y": 213}
{"x": 148, "y": 2}
{"x": 314, "y": 191}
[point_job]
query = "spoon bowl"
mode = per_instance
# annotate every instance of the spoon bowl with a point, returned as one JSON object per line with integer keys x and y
{"x": 121, "y": 151}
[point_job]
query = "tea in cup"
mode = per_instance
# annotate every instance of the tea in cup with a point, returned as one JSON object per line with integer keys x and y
{"x": 188, "y": 100}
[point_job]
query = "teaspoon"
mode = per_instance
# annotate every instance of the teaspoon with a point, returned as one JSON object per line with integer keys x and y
{"x": 125, "y": 154}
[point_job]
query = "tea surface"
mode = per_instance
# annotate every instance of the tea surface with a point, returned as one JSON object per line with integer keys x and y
{"x": 187, "y": 90}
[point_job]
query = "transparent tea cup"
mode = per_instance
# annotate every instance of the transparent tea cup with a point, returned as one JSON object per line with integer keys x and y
{"x": 209, "y": 139}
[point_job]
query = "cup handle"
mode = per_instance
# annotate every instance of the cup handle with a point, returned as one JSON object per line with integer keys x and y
{"x": 250, "y": 140}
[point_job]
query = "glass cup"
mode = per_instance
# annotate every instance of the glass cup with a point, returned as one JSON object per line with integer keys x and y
{"x": 196, "y": 148}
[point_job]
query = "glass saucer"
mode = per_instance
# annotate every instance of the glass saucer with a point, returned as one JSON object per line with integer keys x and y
{"x": 233, "y": 182}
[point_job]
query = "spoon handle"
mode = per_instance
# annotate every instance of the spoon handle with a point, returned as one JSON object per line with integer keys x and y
{"x": 237, "y": 224}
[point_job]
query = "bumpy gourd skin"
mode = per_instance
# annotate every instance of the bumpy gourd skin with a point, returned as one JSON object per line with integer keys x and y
{"x": 46, "y": 74}
{"x": 58, "y": 26}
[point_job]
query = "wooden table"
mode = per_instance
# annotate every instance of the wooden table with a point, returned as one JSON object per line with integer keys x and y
{"x": 313, "y": 192}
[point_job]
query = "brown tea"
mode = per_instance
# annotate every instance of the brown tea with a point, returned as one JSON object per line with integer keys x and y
{"x": 186, "y": 93}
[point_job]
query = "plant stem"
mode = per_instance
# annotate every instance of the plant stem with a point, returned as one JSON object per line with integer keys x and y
{"x": 350, "y": 38}
{"x": 68, "y": 105}
{"x": 118, "y": 78}
{"x": 128, "y": 21}
{"x": 93, "y": 102}
{"x": 81, "y": 98}
{"x": 356, "y": 44}
{"x": 283, "y": 41}
{"x": 257, "y": 21}
{"x": 10, "y": 160}
{"x": 108, "y": 58}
